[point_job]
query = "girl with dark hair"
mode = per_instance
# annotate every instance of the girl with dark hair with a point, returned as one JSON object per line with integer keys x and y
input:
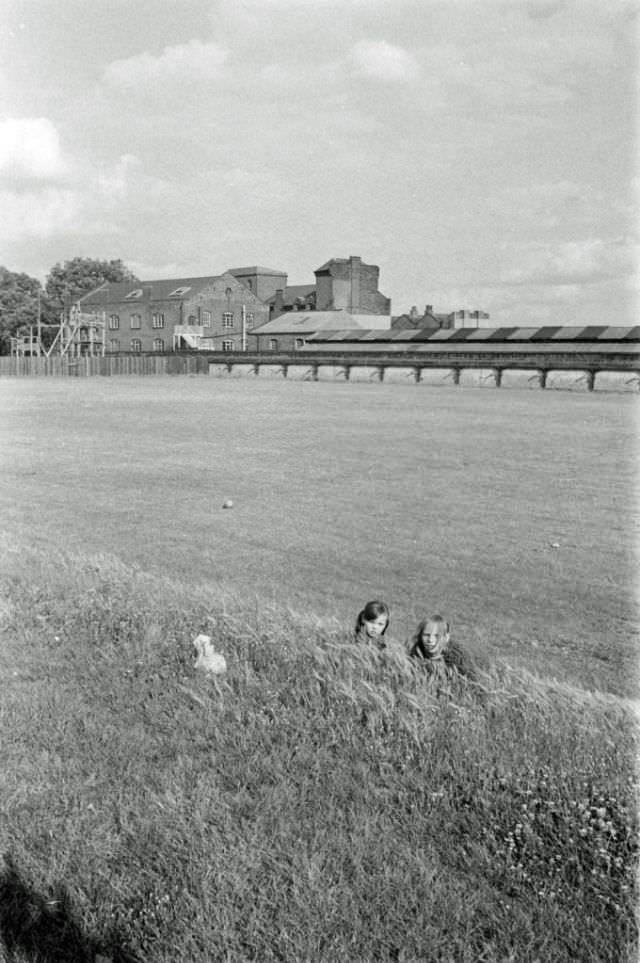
{"x": 372, "y": 623}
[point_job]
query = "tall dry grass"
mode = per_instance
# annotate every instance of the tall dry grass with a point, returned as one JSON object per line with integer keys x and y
{"x": 321, "y": 803}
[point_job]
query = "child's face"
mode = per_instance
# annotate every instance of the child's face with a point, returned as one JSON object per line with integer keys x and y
{"x": 435, "y": 637}
{"x": 375, "y": 627}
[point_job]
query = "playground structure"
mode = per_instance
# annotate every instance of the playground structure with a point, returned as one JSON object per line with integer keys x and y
{"x": 78, "y": 335}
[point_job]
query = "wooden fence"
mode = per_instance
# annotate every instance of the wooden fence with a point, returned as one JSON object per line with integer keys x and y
{"x": 134, "y": 364}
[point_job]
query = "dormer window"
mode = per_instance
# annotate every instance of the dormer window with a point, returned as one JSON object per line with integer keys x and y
{"x": 132, "y": 295}
{"x": 179, "y": 292}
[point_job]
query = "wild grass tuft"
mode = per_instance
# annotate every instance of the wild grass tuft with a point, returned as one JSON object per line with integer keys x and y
{"x": 321, "y": 803}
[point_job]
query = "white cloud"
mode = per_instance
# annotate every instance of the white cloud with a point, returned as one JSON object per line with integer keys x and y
{"x": 379, "y": 60}
{"x": 193, "y": 61}
{"x": 572, "y": 262}
{"x": 30, "y": 150}
{"x": 87, "y": 207}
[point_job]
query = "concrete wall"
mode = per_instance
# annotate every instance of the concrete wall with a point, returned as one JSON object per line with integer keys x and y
{"x": 270, "y": 371}
{"x": 300, "y": 372}
{"x": 515, "y": 378}
{"x": 365, "y": 373}
{"x": 331, "y": 372}
{"x": 616, "y": 381}
{"x": 567, "y": 380}
{"x": 478, "y": 378}
{"x": 405, "y": 376}
{"x": 436, "y": 376}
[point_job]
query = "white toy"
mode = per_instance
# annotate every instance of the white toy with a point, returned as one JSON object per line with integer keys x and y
{"x": 208, "y": 659}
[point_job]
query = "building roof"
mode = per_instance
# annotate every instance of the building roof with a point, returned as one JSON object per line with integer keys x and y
{"x": 548, "y": 335}
{"x": 162, "y": 290}
{"x": 304, "y": 322}
{"x": 256, "y": 269}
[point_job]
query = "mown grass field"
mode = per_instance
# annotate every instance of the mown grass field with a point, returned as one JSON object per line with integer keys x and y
{"x": 320, "y": 804}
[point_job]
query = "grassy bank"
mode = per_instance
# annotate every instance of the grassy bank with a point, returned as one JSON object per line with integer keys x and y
{"x": 320, "y": 804}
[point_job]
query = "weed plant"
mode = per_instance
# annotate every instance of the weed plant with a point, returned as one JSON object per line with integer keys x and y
{"x": 321, "y": 803}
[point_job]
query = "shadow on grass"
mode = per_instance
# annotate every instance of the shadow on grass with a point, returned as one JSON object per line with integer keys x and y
{"x": 40, "y": 930}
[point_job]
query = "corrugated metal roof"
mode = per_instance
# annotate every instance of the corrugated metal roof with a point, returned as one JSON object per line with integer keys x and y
{"x": 567, "y": 334}
{"x": 629, "y": 334}
{"x": 408, "y": 334}
{"x": 521, "y": 334}
{"x": 546, "y": 333}
{"x": 482, "y": 334}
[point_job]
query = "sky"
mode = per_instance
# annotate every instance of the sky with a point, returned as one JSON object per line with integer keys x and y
{"x": 481, "y": 152}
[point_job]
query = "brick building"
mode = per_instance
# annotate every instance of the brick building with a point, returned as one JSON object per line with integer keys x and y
{"x": 216, "y": 313}
{"x": 350, "y": 285}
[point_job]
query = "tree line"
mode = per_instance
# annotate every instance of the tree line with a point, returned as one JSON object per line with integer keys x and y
{"x": 24, "y": 300}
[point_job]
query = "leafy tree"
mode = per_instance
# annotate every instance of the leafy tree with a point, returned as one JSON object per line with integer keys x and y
{"x": 19, "y": 296}
{"x": 67, "y": 282}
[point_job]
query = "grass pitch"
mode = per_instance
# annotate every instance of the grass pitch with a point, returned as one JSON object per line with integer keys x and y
{"x": 512, "y": 513}
{"x": 321, "y": 803}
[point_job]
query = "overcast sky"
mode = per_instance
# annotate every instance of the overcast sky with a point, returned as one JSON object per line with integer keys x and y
{"x": 481, "y": 152}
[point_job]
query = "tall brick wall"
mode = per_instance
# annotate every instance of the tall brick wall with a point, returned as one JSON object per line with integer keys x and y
{"x": 351, "y": 285}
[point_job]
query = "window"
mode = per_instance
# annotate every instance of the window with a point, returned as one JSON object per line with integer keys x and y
{"x": 227, "y": 345}
{"x": 250, "y": 320}
{"x": 133, "y": 295}
{"x": 114, "y": 344}
{"x": 273, "y": 344}
{"x": 157, "y": 320}
{"x": 299, "y": 343}
{"x": 135, "y": 321}
{"x": 114, "y": 322}
{"x": 136, "y": 344}
{"x": 191, "y": 319}
{"x": 227, "y": 319}
{"x": 158, "y": 344}
{"x": 206, "y": 319}
{"x": 178, "y": 292}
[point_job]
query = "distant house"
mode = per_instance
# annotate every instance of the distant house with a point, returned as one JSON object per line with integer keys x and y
{"x": 290, "y": 331}
{"x": 429, "y": 319}
{"x": 215, "y": 313}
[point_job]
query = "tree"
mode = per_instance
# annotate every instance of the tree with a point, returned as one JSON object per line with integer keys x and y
{"x": 20, "y": 301}
{"x": 65, "y": 283}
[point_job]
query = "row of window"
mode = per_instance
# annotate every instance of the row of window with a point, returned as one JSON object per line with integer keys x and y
{"x": 157, "y": 320}
{"x": 158, "y": 344}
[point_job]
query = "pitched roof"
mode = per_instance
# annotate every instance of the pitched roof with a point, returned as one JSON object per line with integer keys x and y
{"x": 256, "y": 269}
{"x": 160, "y": 290}
{"x": 301, "y": 322}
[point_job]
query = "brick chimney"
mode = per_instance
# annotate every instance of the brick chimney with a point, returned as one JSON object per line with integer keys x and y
{"x": 354, "y": 275}
{"x": 278, "y": 303}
